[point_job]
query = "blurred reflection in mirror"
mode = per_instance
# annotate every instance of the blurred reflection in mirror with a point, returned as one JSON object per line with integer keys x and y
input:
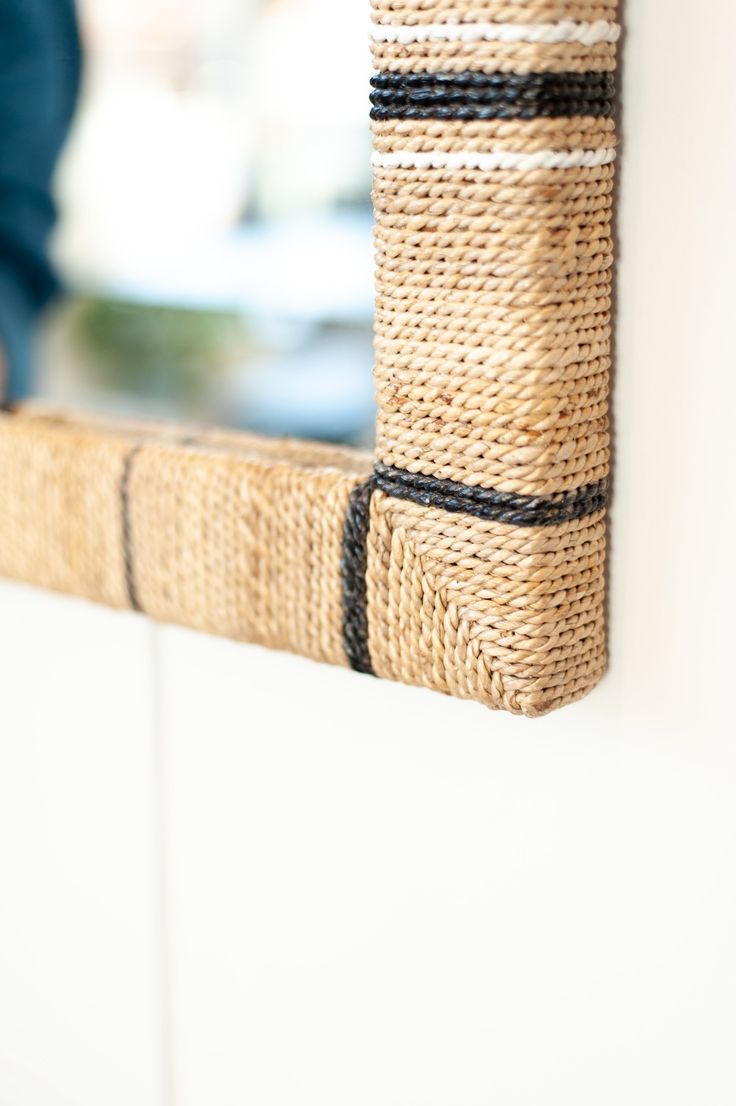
{"x": 215, "y": 231}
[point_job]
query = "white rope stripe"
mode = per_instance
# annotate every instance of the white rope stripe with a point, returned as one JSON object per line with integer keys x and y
{"x": 502, "y": 159}
{"x": 589, "y": 34}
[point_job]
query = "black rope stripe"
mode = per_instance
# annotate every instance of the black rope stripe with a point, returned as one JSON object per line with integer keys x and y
{"x": 127, "y": 529}
{"x": 487, "y": 503}
{"x": 353, "y": 566}
{"x": 473, "y": 95}
{"x": 449, "y": 495}
{"x": 127, "y": 526}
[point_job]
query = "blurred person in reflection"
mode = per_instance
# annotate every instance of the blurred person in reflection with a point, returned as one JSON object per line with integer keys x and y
{"x": 39, "y": 79}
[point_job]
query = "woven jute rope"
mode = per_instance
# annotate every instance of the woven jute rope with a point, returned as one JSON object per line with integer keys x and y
{"x": 468, "y": 555}
{"x": 510, "y": 11}
{"x": 495, "y": 141}
{"x": 229, "y": 533}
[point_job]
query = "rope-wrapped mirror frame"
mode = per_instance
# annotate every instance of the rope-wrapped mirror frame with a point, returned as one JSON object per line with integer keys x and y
{"x": 469, "y": 555}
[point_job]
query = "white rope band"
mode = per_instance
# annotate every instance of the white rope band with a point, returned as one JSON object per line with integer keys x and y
{"x": 589, "y": 34}
{"x": 503, "y": 159}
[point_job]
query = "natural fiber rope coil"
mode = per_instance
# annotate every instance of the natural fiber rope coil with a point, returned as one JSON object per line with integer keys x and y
{"x": 469, "y": 555}
{"x": 495, "y": 141}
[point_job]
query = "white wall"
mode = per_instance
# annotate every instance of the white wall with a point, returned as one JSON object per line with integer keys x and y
{"x": 233, "y": 877}
{"x": 80, "y": 990}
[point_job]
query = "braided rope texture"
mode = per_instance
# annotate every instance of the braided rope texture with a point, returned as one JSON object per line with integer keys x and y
{"x": 233, "y": 534}
{"x": 494, "y": 137}
{"x": 468, "y": 555}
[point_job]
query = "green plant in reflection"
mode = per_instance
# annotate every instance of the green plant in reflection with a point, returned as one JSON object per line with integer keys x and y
{"x": 160, "y": 351}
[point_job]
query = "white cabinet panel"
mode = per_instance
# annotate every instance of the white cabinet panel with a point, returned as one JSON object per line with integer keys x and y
{"x": 79, "y": 1003}
{"x": 378, "y": 895}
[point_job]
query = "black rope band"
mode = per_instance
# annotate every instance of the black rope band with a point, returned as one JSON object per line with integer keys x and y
{"x": 473, "y": 95}
{"x": 354, "y": 565}
{"x": 448, "y": 495}
{"x": 128, "y": 562}
{"x": 487, "y": 503}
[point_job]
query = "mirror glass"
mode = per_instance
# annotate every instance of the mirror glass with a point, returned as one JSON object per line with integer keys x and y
{"x": 215, "y": 227}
